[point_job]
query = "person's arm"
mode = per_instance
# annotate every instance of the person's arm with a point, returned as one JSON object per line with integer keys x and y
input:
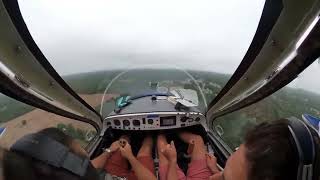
{"x": 171, "y": 154}
{"x": 141, "y": 172}
{"x": 101, "y": 160}
{"x": 212, "y": 163}
{"x": 172, "y": 171}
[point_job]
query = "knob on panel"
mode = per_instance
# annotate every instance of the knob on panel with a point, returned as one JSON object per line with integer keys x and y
{"x": 190, "y": 119}
{"x": 183, "y": 119}
{"x": 150, "y": 121}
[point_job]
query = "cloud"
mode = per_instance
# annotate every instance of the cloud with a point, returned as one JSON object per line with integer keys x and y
{"x": 308, "y": 79}
{"x": 82, "y": 36}
{"x": 210, "y": 35}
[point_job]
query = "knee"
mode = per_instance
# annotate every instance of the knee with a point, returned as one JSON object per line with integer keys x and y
{"x": 144, "y": 154}
{"x": 197, "y": 140}
{"x": 161, "y": 141}
{"x": 147, "y": 141}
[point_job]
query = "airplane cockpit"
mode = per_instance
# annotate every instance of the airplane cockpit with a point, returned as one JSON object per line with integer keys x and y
{"x": 153, "y": 112}
{"x": 166, "y": 108}
{"x": 122, "y": 70}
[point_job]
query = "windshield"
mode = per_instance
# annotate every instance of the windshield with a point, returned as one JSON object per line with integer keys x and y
{"x": 18, "y": 119}
{"x": 117, "y": 48}
{"x": 187, "y": 44}
{"x": 193, "y": 86}
{"x": 108, "y": 49}
{"x": 202, "y": 86}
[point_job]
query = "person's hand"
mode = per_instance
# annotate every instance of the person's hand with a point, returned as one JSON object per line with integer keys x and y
{"x": 212, "y": 163}
{"x": 170, "y": 152}
{"x": 126, "y": 151}
{"x": 114, "y": 146}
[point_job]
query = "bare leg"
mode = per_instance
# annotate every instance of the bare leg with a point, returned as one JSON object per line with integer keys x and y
{"x": 146, "y": 148}
{"x": 145, "y": 154}
{"x": 197, "y": 149}
{"x": 161, "y": 144}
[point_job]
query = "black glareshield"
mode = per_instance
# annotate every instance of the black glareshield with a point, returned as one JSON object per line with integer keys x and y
{"x": 47, "y": 150}
{"x": 305, "y": 147}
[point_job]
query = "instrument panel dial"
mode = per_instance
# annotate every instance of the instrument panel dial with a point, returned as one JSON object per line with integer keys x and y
{"x": 126, "y": 122}
{"x": 116, "y": 122}
{"x": 183, "y": 119}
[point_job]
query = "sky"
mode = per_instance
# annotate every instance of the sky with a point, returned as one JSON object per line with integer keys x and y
{"x": 83, "y": 36}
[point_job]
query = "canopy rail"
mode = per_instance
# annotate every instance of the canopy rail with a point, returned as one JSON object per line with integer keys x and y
{"x": 283, "y": 47}
{"x": 270, "y": 14}
{"x": 307, "y": 53}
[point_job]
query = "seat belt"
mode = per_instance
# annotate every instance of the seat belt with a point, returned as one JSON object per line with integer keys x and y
{"x": 156, "y": 163}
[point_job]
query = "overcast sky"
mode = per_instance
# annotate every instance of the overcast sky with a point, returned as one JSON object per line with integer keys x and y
{"x": 82, "y": 36}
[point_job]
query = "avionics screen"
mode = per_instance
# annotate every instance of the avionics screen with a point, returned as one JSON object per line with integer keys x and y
{"x": 168, "y": 121}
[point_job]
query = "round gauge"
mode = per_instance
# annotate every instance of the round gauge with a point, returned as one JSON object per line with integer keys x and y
{"x": 136, "y": 122}
{"x": 183, "y": 119}
{"x": 126, "y": 122}
{"x": 116, "y": 122}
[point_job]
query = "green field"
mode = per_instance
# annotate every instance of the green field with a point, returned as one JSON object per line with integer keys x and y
{"x": 79, "y": 134}
{"x": 287, "y": 102}
{"x": 10, "y": 108}
{"x": 133, "y": 82}
{"x": 284, "y": 103}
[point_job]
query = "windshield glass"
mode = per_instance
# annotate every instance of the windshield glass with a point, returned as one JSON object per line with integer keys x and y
{"x": 18, "y": 119}
{"x": 300, "y": 98}
{"x": 194, "y": 86}
{"x": 129, "y": 47}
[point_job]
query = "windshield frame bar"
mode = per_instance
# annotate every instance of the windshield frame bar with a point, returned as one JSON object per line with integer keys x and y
{"x": 270, "y": 14}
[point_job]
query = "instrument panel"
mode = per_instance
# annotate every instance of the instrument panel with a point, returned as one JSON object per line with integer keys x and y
{"x": 154, "y": 120}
